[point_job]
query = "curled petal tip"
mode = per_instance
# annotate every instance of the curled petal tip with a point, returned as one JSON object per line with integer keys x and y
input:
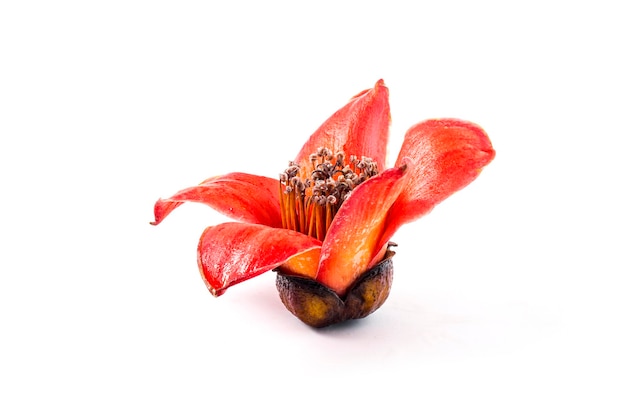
{"x": 162, "y": 208}
{"x": 215, "y": 293}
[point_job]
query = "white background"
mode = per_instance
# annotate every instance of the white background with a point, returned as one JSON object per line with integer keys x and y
{"x": 507, "y": 299}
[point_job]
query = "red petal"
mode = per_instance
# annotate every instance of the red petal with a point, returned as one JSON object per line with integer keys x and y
{"x": 447, "y": 155}
{"x": 230, "y": 253}
{"x": 360, "y": 128}
{"x": 244, "y": 197}
{"x": 303, "y": 265}
{"x": 354, "y": 235}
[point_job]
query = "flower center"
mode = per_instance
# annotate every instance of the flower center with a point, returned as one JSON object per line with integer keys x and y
{"x": 308, "y": 205}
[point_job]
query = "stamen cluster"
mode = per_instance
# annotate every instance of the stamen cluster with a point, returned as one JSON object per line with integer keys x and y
{"x": 308, "y": 205}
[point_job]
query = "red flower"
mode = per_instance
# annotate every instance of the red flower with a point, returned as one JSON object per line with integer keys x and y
{"x": 330, "y": 215}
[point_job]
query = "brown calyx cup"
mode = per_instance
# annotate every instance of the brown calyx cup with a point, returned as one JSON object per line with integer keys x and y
{"x": 319, "y": 306}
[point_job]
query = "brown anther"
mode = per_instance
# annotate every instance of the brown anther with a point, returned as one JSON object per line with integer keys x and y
{"x": 340, "y": 159}
{"x": 321, "y": 152}
{"x": 292, "y": 171}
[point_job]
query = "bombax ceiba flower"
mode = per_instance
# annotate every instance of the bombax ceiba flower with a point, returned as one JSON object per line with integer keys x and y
{"x": 325, "y": 223}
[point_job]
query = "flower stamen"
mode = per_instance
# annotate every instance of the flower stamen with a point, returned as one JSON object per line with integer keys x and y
{"x": 308, "y": 205}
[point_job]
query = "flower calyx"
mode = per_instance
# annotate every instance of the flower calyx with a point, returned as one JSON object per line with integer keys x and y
{"x": 318, "y": 306}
